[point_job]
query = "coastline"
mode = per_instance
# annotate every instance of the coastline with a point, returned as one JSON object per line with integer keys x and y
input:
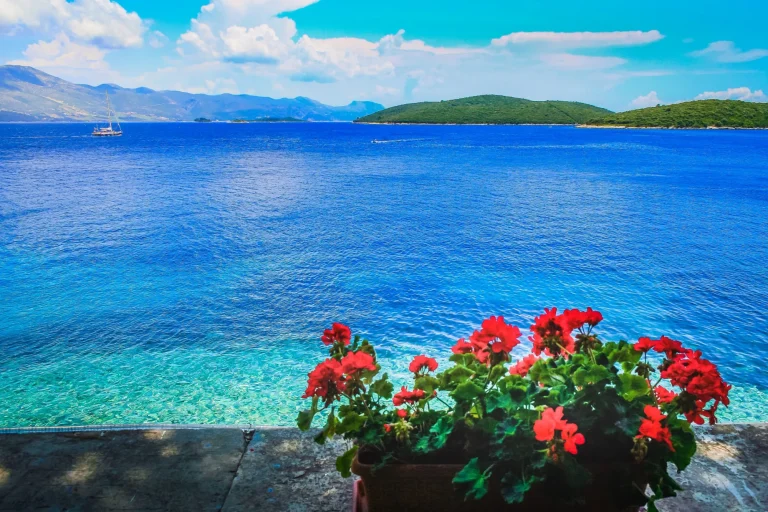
{"x": 623, "y": 127}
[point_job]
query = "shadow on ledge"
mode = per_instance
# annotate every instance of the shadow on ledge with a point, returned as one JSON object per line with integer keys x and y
{"x": 282, "y": 469}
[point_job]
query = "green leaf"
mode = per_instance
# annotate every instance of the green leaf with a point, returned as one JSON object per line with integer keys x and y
{"x": 329, "y": 430}
{"x": 473, "y": 479}
{"x": 499, "y": 401}
{"x": 427, "y": 383}
{"x": 304, "y": 420}
{"x": 383, "y": 387}
{"x": 350, "y": 422}
{"x": 513, "y": 488}
{"x": 441, "y": 431}
{"x": 590, "y": 374}
{"x": 458, "y": 374}
{"x": 344, "y": 462}
{"x": 633, "y": 386}
{"x": 467, "y": 391}
{"x": 684, "y": 441}
{"x": 507, "y": 428}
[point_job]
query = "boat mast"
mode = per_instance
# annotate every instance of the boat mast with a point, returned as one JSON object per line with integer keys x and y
{"x": 109, "y": 110}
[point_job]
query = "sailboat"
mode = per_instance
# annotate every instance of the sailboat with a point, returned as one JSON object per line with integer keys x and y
{"x": 108, "y": 131}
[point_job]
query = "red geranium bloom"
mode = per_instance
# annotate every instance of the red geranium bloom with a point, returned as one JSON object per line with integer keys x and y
{"x": 326, "y": 380}
{"x": 663, "y": 395}
{"x": 462, "y": 347}
{"x": 495, "y": 336}
{"x": 700, "y": 381}
{"x": 644, "y": 344}
{"x": 338, "y": 333}
{"x": 522, "y": 367}
{"x": 421, "y": 362}
{"x": 551, "y": 420}
{"x": 552, "y": 333}
{"x": 669, "y": 346}
{"x": 401, "y": 413}
{"x": 405, "y": 396}
{"x": 651, "y": 426}
{"x": 357, "y": 361}
{"x": 571, "y": 437}
{"x": 387, "y": 428}
{"x": 576, "y": 319}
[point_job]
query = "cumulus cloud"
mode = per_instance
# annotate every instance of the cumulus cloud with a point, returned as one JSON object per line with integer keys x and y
{"x": 102, "y": 23}
{"x": 726, "y": 51}
{"x": 579, "y": 39}
{"x": 255, "y": 44}
{"x": 737, "y": 93}
{"x": 61, "y": 52}
{"x": 649, "y": 100}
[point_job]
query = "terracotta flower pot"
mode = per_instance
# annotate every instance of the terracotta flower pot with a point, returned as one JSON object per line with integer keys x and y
{"x": 429, "y": 487}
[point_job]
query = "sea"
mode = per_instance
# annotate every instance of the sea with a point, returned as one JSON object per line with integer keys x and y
{"x": 184, "y": 273}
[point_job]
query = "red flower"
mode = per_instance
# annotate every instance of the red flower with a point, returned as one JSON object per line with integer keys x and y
{"x": 421, "y": 362}
{"x": 644, "y": 344}
{"x": 339, "y": 333}
{"x": 326, "y": 380}
{"x": 401, "y": 413}
{"x": 387, "y": 428}
{"x": 668, "y": 345}
{"x": 651, "y": 426}
{"x": 462, "y": 347}
{"x": 357, "y": 361}
{"x": 663, "y": 395}
{"x": 552, "y": 333}
{"x": 571, "y": 438}
{"x": 576, "y": 319}
{"x": 405, "y": 396}
{"x": 700, "y": 381}
{"x": 522, "y": 367}
{"x": 495, "y": 336}
{"x": 551, "y": 420}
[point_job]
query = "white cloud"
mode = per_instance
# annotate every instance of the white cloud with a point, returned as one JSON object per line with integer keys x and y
{"x": 396, "y": 42}
{"x": 61, "y": 52}
{"x": 157, "y": 39}
{"x": 726, "y": 51}
{"x": 580, "y": 62}
{"x": 580, "y": 39}
{"x": 255, "y": 44}
{"x": 103, "y": 23}
{"x": 649, "y": 100}
{"x": 386, "y": 91}
{"x": 737, "y": 93}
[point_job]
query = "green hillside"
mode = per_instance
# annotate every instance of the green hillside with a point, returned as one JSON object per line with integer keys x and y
{"x": 692, "y": 114}
{"x": 487, "y": 109}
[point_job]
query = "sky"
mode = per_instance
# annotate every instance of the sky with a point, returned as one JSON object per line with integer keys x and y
{"x": 615, "y": 54}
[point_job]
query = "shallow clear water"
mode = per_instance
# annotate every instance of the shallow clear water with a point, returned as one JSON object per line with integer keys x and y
{"x": 184, "y": 272}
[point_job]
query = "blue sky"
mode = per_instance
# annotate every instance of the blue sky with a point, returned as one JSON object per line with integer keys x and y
{"x": 619, "y": 55}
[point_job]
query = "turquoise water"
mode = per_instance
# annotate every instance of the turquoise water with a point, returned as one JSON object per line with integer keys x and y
{"x": 183, "y": 273}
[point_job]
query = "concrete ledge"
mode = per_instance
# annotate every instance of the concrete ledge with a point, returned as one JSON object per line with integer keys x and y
{"x": 276, "y": 469}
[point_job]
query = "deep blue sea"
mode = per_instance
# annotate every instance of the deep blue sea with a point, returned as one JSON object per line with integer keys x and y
{"x": 183, "y": 273}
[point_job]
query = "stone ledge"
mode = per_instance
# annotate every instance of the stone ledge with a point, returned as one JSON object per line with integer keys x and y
{"x": 282, "y": 469}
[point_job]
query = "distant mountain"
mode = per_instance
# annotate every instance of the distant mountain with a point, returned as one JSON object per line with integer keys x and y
{"x": 692, "y": 114}
{"x": 489, "y": 109}
{"x": 28, "y": 94}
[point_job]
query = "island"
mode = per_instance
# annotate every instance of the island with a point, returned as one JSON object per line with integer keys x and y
{"x": 202, "y": 120}
{"x": 270, "y": 120}
{"x": 487, "y": 109}
{"x": 691, "y": 114}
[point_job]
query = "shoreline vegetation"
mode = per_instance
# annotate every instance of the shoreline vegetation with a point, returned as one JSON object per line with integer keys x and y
{"x": 487, "y": 110}
{"x": 502, "y": 110}
{"x": 702, "y": 114}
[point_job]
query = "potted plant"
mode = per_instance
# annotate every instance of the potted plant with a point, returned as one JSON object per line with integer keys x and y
{"x": 577, "y": 424}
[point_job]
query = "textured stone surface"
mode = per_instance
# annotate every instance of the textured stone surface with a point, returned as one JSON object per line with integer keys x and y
{"x": 282, "y": 469}
{"x": 729, "y": 472}
{"x": 104, "y": 471}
